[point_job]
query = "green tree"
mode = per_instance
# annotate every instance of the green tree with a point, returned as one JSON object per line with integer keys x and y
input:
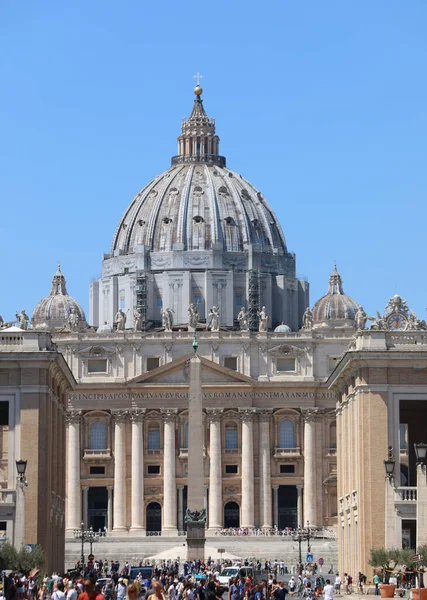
{"x": 387, "y": 560}
{"x": 21, "y": 560}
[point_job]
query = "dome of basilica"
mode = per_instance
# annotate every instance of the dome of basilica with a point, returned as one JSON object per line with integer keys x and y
{"x": 199, "y": 204}
{"x": 53, "y": 311}
{"x": 198, "y": 233}
{"x": 334, "y": 308}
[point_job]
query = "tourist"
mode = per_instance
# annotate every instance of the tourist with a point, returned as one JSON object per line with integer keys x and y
{"x": 377, "y": 584}
{"x": 89, "y": 592}
{"x": 280, "y": 591}
{"x": 121, "y": 589}
{"x": 132, "y": 592}
{"x": 328, "y": 590}
{"x": 234, "y": 590}
{"x": 71, "y": 592}
{"x": 58, "y": 593}
{"x": 157, "y": 592}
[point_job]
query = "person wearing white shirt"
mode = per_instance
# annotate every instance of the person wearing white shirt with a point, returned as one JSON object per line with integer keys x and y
{"x": 328, "y": 590}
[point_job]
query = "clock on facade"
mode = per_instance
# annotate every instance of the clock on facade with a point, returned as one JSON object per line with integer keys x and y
{"x": 397, "y": 321}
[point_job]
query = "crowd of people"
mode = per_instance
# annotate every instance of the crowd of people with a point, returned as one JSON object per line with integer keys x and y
{"x": 171, "y": 580}
{"x": 321, "y": 532}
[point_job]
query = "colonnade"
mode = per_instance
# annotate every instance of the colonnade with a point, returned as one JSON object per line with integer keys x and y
{"x": 173, "y": 493}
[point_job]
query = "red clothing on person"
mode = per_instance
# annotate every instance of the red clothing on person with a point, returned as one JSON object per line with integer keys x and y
{"x": 94, "y": 596}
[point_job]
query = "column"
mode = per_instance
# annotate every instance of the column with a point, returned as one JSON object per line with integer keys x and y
{"x": 110, "y": 508}
{"x": 247, "y": 476}
{"x": 85, "y": 490}
{"x": 119, "y": 507}
{"x": 299, "y": 506}
{"x": 137, "y": 492}
{"x": 215, "y": 468}
{"x": 310, "y": 498}
{"x": 169, "y": 524}
{"x": 264, "y": 468}
{"x": 205, "y": 503}
{"x": 180, "y": 508}
{"x": 276, "y": 505}
{"x": 421, "y": 505}
{"x": 74, "y": 506}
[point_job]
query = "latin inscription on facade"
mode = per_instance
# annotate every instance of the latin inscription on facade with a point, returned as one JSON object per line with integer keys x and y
{"x": 217, "y": 395}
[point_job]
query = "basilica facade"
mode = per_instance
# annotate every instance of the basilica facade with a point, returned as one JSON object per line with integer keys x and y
{"x": 199, "y": 256}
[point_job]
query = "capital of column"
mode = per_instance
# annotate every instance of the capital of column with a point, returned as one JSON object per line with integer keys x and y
{"x": 137, "y": 416}
{"x": 310, "y": 414}
{"x": 214, "y": 414}
{"x": 246, "y": 414}
{"x": 110, "y": 488}
{"x": 169, "y": 414}
{"x": 73, "y": 417}
{"x": 275, "y": 487}
{"x": 180, "y": 487}
{"x": 85, "y": 488}
{"x": 120, "y": 416}
{"x": 264, "y": 414}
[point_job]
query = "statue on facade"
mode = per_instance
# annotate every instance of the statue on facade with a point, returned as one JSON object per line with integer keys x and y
{"x": 137, "y": 319}
{"x": 242, "y": 317}
{"x": 378, "y": 322}
{"x": 193, "y": 315}
{"x": 360, "y": 317}
{"x": 307, "y": 319}
{"x": 415, "y": 323}
{"x": 120, "y": 320}
{"x": 74, "y": 320}
{"x": 23, "y": 319}
{"x": 263, "y": 317}
{"x": 213, "y": 319}
{"x": 167, "y": 319}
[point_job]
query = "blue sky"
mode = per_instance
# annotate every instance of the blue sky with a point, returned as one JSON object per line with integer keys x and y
{"x": 321, "y": 105}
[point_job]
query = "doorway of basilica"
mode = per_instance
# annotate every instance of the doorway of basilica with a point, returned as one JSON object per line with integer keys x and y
{"x": 153, "y": 516}
{"x": 231, "y": 515}
{"x": 287, "y": 507}
{"x": 97, "y": 508}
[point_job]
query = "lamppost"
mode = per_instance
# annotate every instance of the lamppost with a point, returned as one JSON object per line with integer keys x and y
{"x": 390, "y": 511}
{"x": 88, "y": 535}
{"x": 421, "y": 453}
{"x": 299, "y": 538}
{"x": 21, "y": 484}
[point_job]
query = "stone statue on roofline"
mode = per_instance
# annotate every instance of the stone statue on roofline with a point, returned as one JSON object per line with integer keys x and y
{"x": 307, "y": 319}
{"x": 242, "y": 317}
{"x": 360, "y": 317}
{"x": 23, "y": 319}
{"x": 263, "y": 317}
{"x": 74, "y": 320}
{"x": 167, "y": 319}
{"x": 193, "y": 315}
{"x": 120, "y": 320}
{"x": 213, "y": 319}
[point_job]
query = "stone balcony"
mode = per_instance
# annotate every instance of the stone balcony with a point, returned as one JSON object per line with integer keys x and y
{"x": 287, "y": 453}
{"x": 94, "y": 455}
{"x": 183, "y": 453}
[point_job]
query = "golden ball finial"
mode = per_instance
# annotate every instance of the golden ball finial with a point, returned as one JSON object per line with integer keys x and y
{"x": 198, "y": 90}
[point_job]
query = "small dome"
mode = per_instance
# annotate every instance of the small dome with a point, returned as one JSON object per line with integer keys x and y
{"x": 334, "y": 309}
{"x": 282, "y": 328}
{"x": 53, "y": 312}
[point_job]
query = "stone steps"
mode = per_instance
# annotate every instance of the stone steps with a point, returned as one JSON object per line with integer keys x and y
{"x": 265, "y": 548}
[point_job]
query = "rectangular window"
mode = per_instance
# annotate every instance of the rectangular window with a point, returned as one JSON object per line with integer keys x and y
{"x": 153, "y": 362}
{"x": 154, "y": 439}
{"x": 287, "y": 468}
{"x": 159, "y": 302}
{"x": 153, "y": 469}
{"x": 285, "y": 364}
{"x": 239, "y": 301}
{"x": 231, "y": 437}
{"x": 230, "y": 362}
{"x": 231, "y": 469}
{"x": 197, "y": 299}
{"x": 97, "y": 470}
{"x": 122, "y": 299}
{"x": 97, "y": 365}
{"x": 4, "y": 413}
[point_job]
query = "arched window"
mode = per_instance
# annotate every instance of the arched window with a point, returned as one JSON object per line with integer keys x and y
{"x": 154, "y": 437}
{"x": 98, "y": 436}
{"x": 231, "y": 436}
{"x": 333, "y": 435}
{"x": 185, "y": 444}
{"x": 287, "y": 434}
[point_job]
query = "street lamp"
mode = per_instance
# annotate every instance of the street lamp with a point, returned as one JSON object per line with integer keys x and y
{"x": 21, "y": 467}
{"x": 389, "y": 464}
{"x": 420, "y": 452}
{"x": 88, "y": 535}
{"x": 21, "y": 484}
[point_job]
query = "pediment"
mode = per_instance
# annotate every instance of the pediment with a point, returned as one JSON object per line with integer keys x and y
{"x": 177, "y": 372}
{"x": 286, "y": 350}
